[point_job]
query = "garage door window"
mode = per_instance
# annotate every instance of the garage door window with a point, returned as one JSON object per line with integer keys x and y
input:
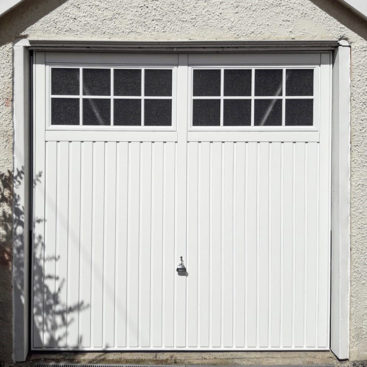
{"x": 111, "y": 97}
{"x": 253, "y": 97}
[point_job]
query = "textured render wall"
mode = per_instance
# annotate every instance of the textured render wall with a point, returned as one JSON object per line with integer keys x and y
{"x": 199, "y": 20}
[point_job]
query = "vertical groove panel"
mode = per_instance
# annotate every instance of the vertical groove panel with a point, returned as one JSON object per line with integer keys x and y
{"x": 227, "y": 244}
{"x": 204, "y": 244}
{"x": 145, "y": 243}
{"x": 251, "y": 244}
{"x": 216, "y": 243}
{"x": 192, "y": 243}
{"x": 239, "y": 243}
{"x": 323, "y": 250}
{"x": 263, "y": 244}
{"x": 97, "y": 244}
{"x": 62, "y": 241}
{"x": 133, "y": 245}
{"x": 86, "y": 200}
{"x": 50, "y": 249}
{"x": 275, "y": 244}
{"x": 311, "y": 245}
{"x": 122, "y": 220}
{"x": 299, "y": 244}
{"x": 157, "y": 280}
{"x": 287, "y": 245}
{"x": 73, "y": 245}
{"x": 109, "y": 245}
{"x": 169, "y": 261}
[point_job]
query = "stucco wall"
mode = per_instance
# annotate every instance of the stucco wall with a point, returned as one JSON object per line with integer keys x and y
{"x": 199, "y": 20}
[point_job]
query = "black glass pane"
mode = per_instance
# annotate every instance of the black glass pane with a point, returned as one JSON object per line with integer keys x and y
{"x": 268, "y": 112}
{"x": 127, "y": 82}
{"x": 268, "y": 82}
{"x": 299, "y": 82}
{"x": 158, "y": 82}
{"x": 65, "y": 81}
{"x": 207, "y": 83}
{"x": 206, "y": 112}
{"x": 299, "y": 112}
{"x": 127, "y": 112}
{"x": 65, "y": 111}
{"x": 237, "y": 82}
{"x": 237, "y": 112}
{"x": 96, "y": 111}
{"x": 96, "y": 82}
{"x": 157, "y": 112}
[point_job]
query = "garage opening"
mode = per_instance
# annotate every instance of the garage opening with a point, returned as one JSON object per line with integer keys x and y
{"x": 148, "y": 165}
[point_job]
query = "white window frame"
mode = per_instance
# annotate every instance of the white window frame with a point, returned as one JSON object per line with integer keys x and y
{"x": 340, "y": 165}
{"x": 95, "y": 62}
{"x": 252, "y": 67}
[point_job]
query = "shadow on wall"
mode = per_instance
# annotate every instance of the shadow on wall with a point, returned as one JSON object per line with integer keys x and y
{"x": 26, "y": 14}
{"x": 50, "y": 315}
{"x": 344, "y": 15}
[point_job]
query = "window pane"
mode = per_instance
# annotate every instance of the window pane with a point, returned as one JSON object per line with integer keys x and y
{"x": 299, "y": 82}
{"x": 65, "y": 81}
{"x": 96, "y": 82}
{"x": 127, "y": 82}
{"x": 65, "y": 111}
{"x": 127, "y": 112}
{"x": 207, "y": 83}
{"x": 299, "y": 112}
{"x": 268, "y": 82}
{"x": 157, "y": 112}
{"x": 268, "y": 112}
{"x": 237, "y": 112}
{"x": 158, "y": 82}
{"x": 206, "y": 112}
{"x": 237, "y": 82}
{"x": 96, "y": 111}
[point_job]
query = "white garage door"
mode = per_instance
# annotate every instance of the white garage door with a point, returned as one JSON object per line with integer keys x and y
{"x": 221, "y": 159}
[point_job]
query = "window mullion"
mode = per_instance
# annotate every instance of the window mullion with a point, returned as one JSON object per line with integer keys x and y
{"x": 283, "y": 96}
{"x": 252, "y": 96}
{"x": 80, "y": 96}
{"x": 111, "y": 98}
{"x": 221, "y": 96}
{"x": 142, "y": 95}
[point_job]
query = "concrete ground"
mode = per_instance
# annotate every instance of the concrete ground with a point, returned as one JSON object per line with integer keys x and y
{"x": 194, "y": 358}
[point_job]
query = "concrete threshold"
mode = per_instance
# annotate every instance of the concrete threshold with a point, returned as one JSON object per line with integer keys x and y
{"x": 191, "y": 358}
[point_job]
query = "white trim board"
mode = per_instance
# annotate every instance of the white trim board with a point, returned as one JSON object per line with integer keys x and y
{"x": 6, "y": 5}
{"x": 21, "y": 194}
{"x": 359, "y": 6}
{"x": 340, "y": 197}
{"x": 340, "y": 204}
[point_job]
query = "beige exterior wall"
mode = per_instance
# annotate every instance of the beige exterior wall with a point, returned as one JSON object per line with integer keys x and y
{"x": 196, "y": 20}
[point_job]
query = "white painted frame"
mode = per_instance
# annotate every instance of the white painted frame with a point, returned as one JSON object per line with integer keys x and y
{"x": 340, "y": 203}
{"x": 340, "y": 183}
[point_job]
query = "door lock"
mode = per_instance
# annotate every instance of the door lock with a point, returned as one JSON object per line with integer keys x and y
{"x": 181, "y": 268}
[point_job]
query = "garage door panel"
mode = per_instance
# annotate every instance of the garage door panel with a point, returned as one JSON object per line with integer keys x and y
{"x": 247, "y": 207}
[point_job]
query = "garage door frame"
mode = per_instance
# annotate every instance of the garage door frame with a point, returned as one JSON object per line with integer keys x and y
{"x": 340, "y": 165}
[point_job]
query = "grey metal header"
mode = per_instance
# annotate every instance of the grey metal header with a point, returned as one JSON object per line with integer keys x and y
{"x": 184, "y": 46}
